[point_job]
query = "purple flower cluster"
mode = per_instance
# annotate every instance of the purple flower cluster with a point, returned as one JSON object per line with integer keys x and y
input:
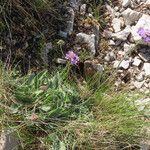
{"x": 72, "y": 57}
{"x": 145, "y": 34}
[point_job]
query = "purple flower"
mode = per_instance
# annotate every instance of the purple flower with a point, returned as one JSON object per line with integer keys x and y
{"x": 145, "y": 34}
{"x": 72, "y": 57}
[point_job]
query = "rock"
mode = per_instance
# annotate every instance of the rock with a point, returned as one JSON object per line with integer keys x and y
{"x": 45, "y": 51}
{"x": 124, "y": 64}
{"x": 110, "y": 10}
{"x": 116, "y": 8}
{"x": 63, "y": 34}
{"x": 136, "y": 62}
{"x": 146, "y": 68}
{"x": 98, "y": 67}
{"x": 107, "y": 34}
{"x": 116, "y": 23}
{"x": 89, "y": 40}
{"x": 138, "y": 84}
{"x": 74, "y": 4}
{"x": 110, "y": 57}
{"x": 122, "y": 35}
{"x": 130, "y": 16}
{"x": 126, "y": 3}
{"x": 116, "y": 64}
{"x": 140, "y": 77}
{"x": 145, "y": 56}
{"x": 83, "y": 9}
{"x": 147, "y": 3}
{"x": 111, "y": 43}
{"x": 8, "y": 141}
{"x": 61, "y": 61}
{"x": 70, "y": 20}
{"x": 144, "y": 23}
{"x": 90, "y": 68}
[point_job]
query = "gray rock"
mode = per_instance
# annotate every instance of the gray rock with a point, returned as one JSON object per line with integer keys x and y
{"x": 89, "y": 40}
{"x": 138, "y": 84}
{"x": 83, "y": 9}
{"x": 147, "y": 3}
{"x": 9, "y": 141}
{"x": 74, "y": 4}
{"x": 116, "y": 64}
{"x": 45, "y": 51}
{"x": 140, "y": 77}
{"x": 110, "y": 57}
{"x": 146, "y": 68}
{"x": 122, "y": 35}
{"x": 130, "y": 16}
{"x": 63, "y": 34}
{"x": 70, "y": 21}
{"x": 144, "y": 56}
{"x": 126, "y": 3}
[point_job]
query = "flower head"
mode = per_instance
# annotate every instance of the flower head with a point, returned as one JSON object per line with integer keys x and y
{"x": 145, "y": 34}
{"x": 72, "y": 57}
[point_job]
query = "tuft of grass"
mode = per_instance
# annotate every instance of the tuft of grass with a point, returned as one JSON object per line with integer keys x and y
{"x": 54, "y": 111}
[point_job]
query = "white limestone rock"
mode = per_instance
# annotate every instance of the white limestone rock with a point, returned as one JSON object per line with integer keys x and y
{"x": 116, "y": 24}
{"x": 146, "y": 68}
{"x": 143, "y": 22}
{"x": 136, "y": 62}
{"x": 83, "y": 9}
{"x": 140, "y": 77}
{"x": 148, "y": 3}
{"x": 138, "y": 84}
{"x": 122, "y": 35}
{"x": 89, "y": 40}
{"x": 130, "y": 16}
{"x": 126, "y": 3}
{"x": 125, "y": 64}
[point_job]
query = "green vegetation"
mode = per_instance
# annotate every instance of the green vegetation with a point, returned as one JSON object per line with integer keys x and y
{"x": 55, "y": 112}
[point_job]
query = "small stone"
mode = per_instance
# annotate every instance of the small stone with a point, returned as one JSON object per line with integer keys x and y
{"x": 130, "y": 16}
{"x": 136, "y": 62}
{"x": 61, "y": 61}
{"x": 116, "y": 8}
{"x": 148, "y": 3}
{"x": 89, "y": 40}
{"x": 124, "y": 64}
{"x": 122, "y": 35}
{"x": 45, "y": 51}
{"x": 140, "y": 77}
{"x": 126, "y": 3}
{"x": 116, "y": 64}
{"x": 83, "y": 9}
{"x": 63, "y": 34}
{"x": 116, "y": 23}
{"x": 146, "y": 68}
{"x": 144, "y": 56}
{"x": 111, "y": 43}
{"x": 138, "y": 84}
{"x": 110, "y": 57}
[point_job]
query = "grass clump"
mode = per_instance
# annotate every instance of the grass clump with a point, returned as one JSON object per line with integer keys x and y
{"x": 52, "y": 111}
